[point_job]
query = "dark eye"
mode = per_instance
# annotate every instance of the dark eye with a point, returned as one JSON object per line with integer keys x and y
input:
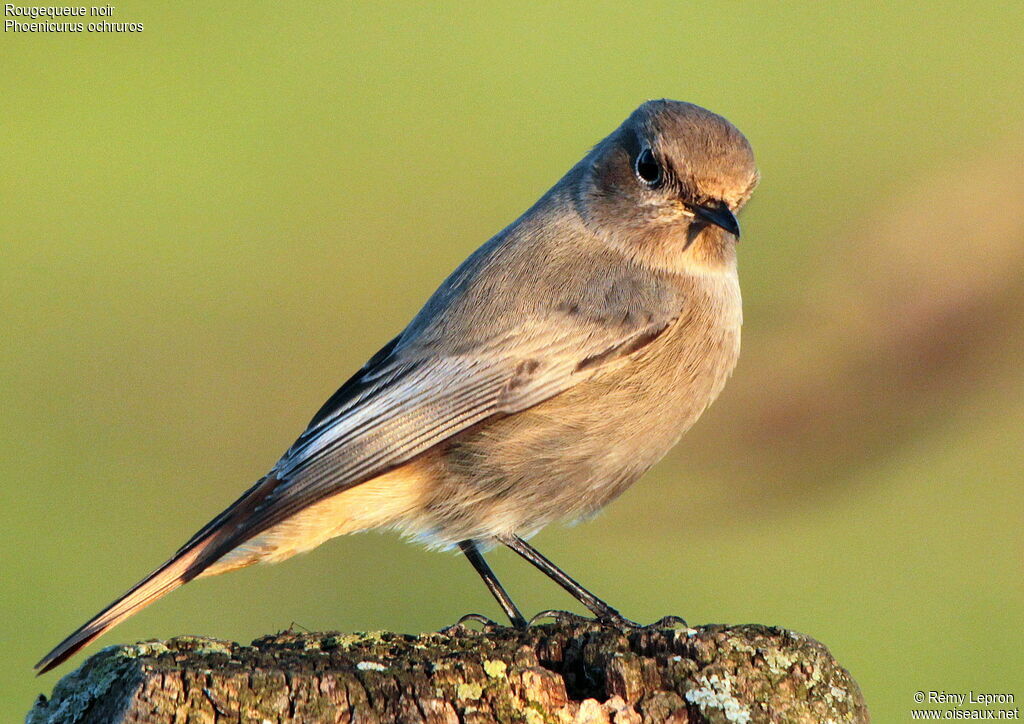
{"x": 648, "y": 169}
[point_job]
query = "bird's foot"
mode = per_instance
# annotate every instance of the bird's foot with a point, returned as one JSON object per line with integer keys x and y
{"x": 559, "y": 617}
{"x": 461, "y": 627}
{"x": 562, "y": 618}
{"x": 610, "y": 618}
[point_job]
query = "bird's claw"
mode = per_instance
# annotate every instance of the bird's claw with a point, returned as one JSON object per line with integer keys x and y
{"x": 619, "y": 621}
{"x": 568, "y": 617}
{"x": 460, "y": 625}
{"x": 559, "y": 617}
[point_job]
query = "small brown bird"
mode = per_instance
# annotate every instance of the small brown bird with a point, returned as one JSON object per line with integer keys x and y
{"x": 553, "y": 368}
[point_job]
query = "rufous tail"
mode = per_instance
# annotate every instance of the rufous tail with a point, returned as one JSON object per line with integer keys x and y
{"x": 191, "y": 560}
{"x": 156, "y": 585}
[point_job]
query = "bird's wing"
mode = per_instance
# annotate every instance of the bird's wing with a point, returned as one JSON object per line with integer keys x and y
{"x": 477, "y": 349}
{"x": 400, "y": 406}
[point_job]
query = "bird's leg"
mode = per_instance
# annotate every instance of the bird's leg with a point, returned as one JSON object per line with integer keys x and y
{"x": 493, "y": 584}
{"x": 603, "y": 612}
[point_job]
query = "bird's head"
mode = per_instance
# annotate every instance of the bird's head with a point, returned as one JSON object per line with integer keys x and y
{"x": 669, "y": 181}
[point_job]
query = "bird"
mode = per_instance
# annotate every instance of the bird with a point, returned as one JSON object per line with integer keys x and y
{"x": 558, "y": 363}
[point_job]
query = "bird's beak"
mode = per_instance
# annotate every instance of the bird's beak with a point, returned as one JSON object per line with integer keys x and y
{"x": 719, "y": 215}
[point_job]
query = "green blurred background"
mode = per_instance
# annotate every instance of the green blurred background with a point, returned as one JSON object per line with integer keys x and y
{"x": 208, "y": 225}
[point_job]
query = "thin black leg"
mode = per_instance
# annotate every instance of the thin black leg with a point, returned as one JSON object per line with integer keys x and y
{"x": 493, "y": 584}
{"x": 602, "y": 610}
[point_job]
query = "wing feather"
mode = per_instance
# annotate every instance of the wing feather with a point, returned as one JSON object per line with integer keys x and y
{"x": 400, "y": 413}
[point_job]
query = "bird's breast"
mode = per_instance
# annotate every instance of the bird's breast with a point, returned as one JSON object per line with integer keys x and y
{"x": 665, "y": 386}
{"x": 572, "y": 454}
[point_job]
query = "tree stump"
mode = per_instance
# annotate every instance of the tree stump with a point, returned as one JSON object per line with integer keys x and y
{"x": 566, "y": 673}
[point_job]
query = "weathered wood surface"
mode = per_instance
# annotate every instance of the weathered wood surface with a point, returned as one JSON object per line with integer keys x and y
{"x": 557, "y": 674}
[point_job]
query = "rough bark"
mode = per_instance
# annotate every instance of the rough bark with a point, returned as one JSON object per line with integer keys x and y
{"x": 568, "y": 673}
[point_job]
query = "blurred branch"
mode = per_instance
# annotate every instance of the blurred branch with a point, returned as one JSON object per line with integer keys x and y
{"x": 571, "y": 673}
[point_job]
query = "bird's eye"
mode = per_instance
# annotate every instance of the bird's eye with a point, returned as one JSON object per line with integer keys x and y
{"x": 647, "y": 168}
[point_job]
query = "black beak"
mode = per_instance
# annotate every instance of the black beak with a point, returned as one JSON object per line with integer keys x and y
{"x": 719, "y": 215}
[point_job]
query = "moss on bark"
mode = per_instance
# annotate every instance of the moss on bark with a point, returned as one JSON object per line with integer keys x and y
{"x": 569, "y": 673}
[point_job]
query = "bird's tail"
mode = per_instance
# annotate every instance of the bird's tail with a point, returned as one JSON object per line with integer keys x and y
{"x": 156, "y": 585}
{"x": 191, "y": 560}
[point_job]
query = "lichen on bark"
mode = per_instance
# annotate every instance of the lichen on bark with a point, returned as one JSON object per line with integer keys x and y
{"x": 568, "y": 673}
